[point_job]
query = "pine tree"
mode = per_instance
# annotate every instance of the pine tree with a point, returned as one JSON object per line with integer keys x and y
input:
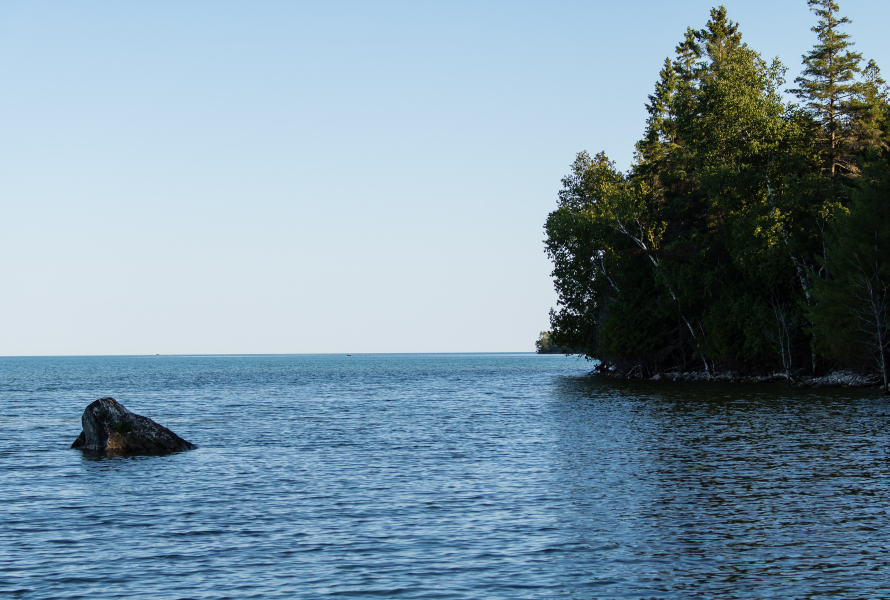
{"x": 688, "y": 53}
{"x": 828, "y": 83}
{"x": 719, "y": 37}
{"x": 873, "y": 110}
{"x": 705, "y": 253}
{"x": 658, "y": 140}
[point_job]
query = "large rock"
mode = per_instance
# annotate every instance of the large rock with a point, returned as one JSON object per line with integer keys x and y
{"x": 110, "y": 428}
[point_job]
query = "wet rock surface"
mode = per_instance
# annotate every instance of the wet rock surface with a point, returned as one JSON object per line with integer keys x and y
{"x": 843, "y": 379}
{"x": 109, "y": 428}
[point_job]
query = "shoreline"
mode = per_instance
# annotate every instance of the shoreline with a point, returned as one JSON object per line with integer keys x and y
{"x": 835, "y": 379}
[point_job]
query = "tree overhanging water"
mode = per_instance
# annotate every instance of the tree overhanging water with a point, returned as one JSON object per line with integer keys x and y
{"x": 750, "y": 235}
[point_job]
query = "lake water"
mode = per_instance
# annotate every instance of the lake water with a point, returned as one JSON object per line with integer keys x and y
{"x": 439, "y": 476}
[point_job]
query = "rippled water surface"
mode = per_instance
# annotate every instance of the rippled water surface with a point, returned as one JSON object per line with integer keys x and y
{"x": 439, "y": 476}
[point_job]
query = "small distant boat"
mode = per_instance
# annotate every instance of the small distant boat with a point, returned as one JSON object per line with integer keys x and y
{"x": 348, "y": 355}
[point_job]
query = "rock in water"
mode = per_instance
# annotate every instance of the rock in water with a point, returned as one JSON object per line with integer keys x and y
{"x": 110, "y": 428}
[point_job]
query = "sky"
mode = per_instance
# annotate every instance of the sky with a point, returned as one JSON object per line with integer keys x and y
{"x": 310, "y": 177}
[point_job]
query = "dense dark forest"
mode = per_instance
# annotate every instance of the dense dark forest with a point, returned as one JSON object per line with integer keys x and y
{"x": 751, "y": 234}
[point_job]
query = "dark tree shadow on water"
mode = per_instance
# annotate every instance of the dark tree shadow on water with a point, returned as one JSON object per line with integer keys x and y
{"x": 726, "y": 490}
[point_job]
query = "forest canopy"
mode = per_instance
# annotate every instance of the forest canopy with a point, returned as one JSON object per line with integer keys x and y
{"x": 751, "y": 233}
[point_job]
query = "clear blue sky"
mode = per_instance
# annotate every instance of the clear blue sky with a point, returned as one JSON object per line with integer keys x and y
{"x": 276, "y": 177}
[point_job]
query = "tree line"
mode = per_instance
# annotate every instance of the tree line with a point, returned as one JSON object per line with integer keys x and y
{"x": 751, "y": 233}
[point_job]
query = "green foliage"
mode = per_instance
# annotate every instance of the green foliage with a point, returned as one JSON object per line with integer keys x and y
{"x": 710, "y": 248}
{"x": 828, "y": 84}
{"x": 872, "y": 130}
{"x": 851, "y": 315}
{"x": 545, "y": 345}
{"x": 639, "y": 324}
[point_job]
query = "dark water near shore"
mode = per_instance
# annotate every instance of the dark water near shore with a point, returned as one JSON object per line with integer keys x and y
{"x": 439, "y": 476}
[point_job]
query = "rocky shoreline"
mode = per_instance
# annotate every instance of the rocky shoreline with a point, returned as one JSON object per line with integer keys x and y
{"x": 843, "y": 379}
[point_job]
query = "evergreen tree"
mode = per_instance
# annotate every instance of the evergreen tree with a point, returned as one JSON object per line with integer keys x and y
{"x": 712, "y": 250}
{"x": 719, "y": 38}
{"x": 658, "y": 139}
{"x": 871, "y": 105}
{"x": 852, "y": 313}
{"x": 688, "y": 53}
{"x": 828, "y": 83}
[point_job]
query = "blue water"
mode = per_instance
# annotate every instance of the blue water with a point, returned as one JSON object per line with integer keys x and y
{"x": 439, "y": 476}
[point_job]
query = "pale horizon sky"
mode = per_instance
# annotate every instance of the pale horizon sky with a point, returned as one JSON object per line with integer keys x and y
{"x": 283, "y": 177}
